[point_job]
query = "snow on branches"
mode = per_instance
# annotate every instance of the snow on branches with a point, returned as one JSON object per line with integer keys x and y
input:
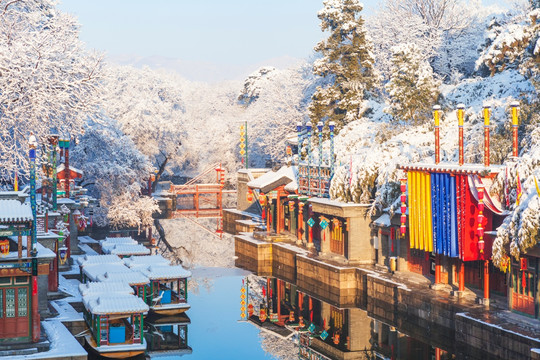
{"x": 347, "y": 59}
{"x": 48, "y": 81}
{"x": 513, "y": 42}
{"x": 131, "y": 210}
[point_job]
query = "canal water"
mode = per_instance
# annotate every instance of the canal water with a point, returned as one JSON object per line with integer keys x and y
{"x": 213, "y": 327}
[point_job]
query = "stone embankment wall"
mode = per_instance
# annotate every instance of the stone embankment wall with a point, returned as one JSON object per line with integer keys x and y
{"x": 423, "y": 315}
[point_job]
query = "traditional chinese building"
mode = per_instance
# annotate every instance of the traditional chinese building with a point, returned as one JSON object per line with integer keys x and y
{"x": 452, "y": 214}
{"x": 23, "y": 264}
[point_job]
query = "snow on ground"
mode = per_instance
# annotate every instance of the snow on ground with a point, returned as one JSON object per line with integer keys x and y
{"x": 63, "y": 344}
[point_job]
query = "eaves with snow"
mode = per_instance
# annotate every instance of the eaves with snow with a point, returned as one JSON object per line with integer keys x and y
{"x": 286, "y": 175}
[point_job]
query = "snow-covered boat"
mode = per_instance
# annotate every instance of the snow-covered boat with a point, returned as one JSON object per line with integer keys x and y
{"x": 167, "y": 291}
{"x": 115, "y": 319}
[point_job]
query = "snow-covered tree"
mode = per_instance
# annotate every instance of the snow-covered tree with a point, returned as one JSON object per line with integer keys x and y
{"x": 446, "y": 33}
{"x": 149, "y": 107}
{"x": 115, "y": 172}
{"x": 281, "y": 103}
{"x": 514, "y": 43}
{"x": 347, "y": 59}
{"x": 412, "y": 87}
{"x": 48, "y": 82}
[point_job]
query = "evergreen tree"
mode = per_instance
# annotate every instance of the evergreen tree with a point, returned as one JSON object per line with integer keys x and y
{"x": 412, "y": 86}
{"x": 346, "y": 57}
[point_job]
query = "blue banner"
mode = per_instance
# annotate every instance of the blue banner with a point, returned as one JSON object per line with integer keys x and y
{"x": 443, "y": 195}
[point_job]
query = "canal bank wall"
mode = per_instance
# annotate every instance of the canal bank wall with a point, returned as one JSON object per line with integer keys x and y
{"x": 457, "y": 325}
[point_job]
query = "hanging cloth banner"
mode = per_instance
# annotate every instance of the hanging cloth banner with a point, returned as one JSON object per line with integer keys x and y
{"x": 443, "y": 197}
{"x": 420, "y": 214}
{"x": 467, "y": 213}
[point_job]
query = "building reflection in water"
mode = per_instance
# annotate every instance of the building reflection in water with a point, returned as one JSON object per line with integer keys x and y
{"x": 167, "y": 335}
{"x": 328, "y": 332}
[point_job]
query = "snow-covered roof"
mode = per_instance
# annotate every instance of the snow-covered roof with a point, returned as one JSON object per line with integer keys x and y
{"x": 452, "y": 167}
{"x": 146, "y": 260}
{"x": 13, "y": 211}
{"x": 108, "y": 287}
{"x": 93, "y": 271}
{"x": 73, "y": 172}
{"x": 128, "y": 277}
{"x": 119, "y": 240}
{"x": 114, "y": 304}
{"x": 331, "y": 202}
{"x": 13, "y": 195}
{"x": 273, "y": 179}
{"x": 98, "y": 259}
{"x": 383, "y": 220}
{"x": 165, "y": 272}
{"x": 127, "y": 249}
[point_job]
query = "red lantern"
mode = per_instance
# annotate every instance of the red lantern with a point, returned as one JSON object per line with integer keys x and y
{"x": 523, "y": 264}
{"x": 291, "y": 316}
{"x": 481, "y": 246}
{"x": 262, "y": 199}
{"x": 249, "y": 196}
{"x": 403, "y": 198}
{"x": 403, "y": 185}
{"x": 4, "y": 247}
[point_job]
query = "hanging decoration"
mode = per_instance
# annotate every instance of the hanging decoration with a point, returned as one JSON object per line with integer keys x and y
{"x": 523, "y": 268}
{"x": 324, "y": 335}
{"x": 480, "y": 220}
{"x": 403, "y": 188}
{"x": 291, "y": 205}
{"x": 518, "y": 191}
{"x": 243, "y": 144}
{"x": 62, "y": 253}
{"x": 311, "y": 222}
{"x": 4, "y": 247}
{"x": 262, "y": 313}
{"x": 243, "y": 298}
{"x": 249, "y": 196}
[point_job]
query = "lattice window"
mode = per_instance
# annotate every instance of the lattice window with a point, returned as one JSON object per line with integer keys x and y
{"x": 22, "y": 294}
{"x": 10, "y": 303}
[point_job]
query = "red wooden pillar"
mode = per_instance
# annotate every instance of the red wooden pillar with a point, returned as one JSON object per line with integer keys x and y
{"x": 300, "y": 220}
{"x": 486, "y": 279}
{"x": 278, "y": 212}
{"x": 310, "y": 309}
{"x": 461, "y": 275}
{"x": 35, "y": 314}
{"x": 438, "y": 267}
{"x": 53, "y": 273}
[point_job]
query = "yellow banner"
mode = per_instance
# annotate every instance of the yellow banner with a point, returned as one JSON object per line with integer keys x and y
{"x": 420, "y": 222}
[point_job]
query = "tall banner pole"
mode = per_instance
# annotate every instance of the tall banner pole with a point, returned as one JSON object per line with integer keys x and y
{"x": 436, "y": 117}
{"x": 515, "y": 123}
{"x": 460, "y": 111}
{"x": 310, "y": 155}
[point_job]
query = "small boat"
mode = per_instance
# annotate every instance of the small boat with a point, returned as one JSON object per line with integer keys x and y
{"x": 167, "y": 291}
{"x": 167, "y": 336}
{"x": 115, "y": 319}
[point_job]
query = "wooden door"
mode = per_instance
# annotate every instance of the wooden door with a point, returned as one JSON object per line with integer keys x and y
{"x": 523, "y": 292}
{"x": 14, "y": 312}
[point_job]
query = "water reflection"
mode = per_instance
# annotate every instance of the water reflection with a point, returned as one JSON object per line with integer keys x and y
{"x": 323, "y": 331}
{"x": 167, "y": 335}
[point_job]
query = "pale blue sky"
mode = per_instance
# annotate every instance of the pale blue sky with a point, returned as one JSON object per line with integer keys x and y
{"x": 238, "y": 33}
